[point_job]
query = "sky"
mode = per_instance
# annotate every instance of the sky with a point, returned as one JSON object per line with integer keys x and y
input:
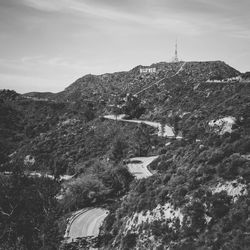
{"x": 45, "y": 45}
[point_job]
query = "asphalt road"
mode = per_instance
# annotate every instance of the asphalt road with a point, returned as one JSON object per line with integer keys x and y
{"x": 138, "y": 166}
{"x": 165, "y": 131}
{"x": 86, "y": 223}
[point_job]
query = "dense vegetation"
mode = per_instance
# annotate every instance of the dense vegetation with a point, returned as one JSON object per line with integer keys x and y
{"x": 65, "y": 133}
{"x": 29, "y": 212}
{"x": 185, "y": 175}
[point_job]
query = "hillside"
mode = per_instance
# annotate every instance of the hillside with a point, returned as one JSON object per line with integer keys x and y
{"x": 167, "y": 102}
{"x": 197, "y": 196}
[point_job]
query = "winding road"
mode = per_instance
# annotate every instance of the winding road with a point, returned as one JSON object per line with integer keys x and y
{"x": 165, "y": 131}
{"x": 87, "y": 222}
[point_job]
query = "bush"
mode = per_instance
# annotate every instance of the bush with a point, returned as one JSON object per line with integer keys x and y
{"x": 119, "y": 149}
{"x": 221, "y": 203}
{"x": 129, "y": 241}
{"x": 216, "y": 156}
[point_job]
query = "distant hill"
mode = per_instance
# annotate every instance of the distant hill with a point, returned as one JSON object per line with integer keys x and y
{"x": 22, "y": 119}
{"x": 40, "y": 95}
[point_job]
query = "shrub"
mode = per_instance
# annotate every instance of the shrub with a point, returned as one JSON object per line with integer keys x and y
{"x": 216, "y": 156}
{"x": 129, "y": 241}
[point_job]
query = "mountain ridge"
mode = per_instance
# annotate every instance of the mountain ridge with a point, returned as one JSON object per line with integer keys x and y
{"x": 105, "y": 78}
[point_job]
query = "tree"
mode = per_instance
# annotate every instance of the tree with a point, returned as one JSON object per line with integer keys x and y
{"x": 84, "y": 191}
{"x": 133, "y": 107}
{"x": 129, "y": 241}
{"x": 119, "y": 148}
{"x": 28, "y": 213}
{"x": 59, "y": 167}
{"x": 196, "y": 213}
{"x": 175, "y": 120}
{"x": 141, "y": 141}
{"x": 220, "y": 205}
{"x": 116, "y": 110}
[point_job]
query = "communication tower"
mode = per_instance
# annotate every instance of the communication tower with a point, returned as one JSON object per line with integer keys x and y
{"x": 175, "y": 58}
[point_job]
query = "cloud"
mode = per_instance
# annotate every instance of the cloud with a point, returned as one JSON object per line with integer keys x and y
{"x": 24, "y": 84}
{"x": 39, "y": 73}
{"x": 238, "y": 31}
{"x": 138, "y": 14}
{"x": 83, "y": 7}
{"x": 37, "y": 63}
{"x": 45, "y": 5}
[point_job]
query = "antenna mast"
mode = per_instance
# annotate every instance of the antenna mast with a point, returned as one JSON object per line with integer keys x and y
{"x": 175, "y": 59}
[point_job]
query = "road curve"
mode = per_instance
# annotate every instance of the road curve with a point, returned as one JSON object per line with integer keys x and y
{"x": 85, "y": 223}
{"x": 138, "y": 166}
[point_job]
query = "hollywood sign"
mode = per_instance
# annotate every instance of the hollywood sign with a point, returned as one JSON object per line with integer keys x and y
{"x": 147, "y": 70}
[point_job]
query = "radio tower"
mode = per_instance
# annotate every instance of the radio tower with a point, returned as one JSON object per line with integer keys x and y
{"x": 175, "y": 59}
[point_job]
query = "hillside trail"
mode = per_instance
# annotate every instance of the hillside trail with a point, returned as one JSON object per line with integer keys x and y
{"x": 165, "y": 78}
